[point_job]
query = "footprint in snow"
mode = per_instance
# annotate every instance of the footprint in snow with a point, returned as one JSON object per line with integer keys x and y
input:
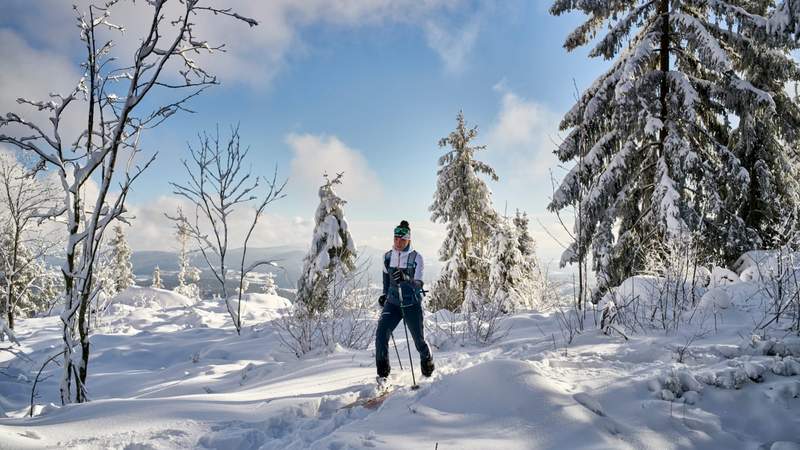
{"x": 589, "y": 403}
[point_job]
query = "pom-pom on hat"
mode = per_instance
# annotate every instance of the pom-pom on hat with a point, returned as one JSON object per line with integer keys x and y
{"x": 402, "y": 231}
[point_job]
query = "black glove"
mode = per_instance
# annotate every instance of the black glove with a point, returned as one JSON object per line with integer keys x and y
{"x": 382, "y": 299}
{"x": 398, "y": 276}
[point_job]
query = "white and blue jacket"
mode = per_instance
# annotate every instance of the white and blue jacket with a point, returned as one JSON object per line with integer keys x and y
{"x": 411, "y": 263}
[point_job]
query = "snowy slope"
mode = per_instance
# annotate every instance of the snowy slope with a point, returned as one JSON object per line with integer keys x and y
{"x": 167, "y": 373}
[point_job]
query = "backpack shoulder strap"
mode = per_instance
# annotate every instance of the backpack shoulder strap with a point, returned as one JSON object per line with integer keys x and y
{"x": 411, "y": 262}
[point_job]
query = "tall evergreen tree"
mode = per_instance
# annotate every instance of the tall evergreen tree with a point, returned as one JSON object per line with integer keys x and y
{"x": 766, "y": 140}
{"x": 462, "y": 201}
{"x": 651, "y": 135}
{"x": 506, "y": 272}
{"x": 526, "y": 245}
{"x": 157, "y": 283}
{"x": 188, "y": 275}
{"x": 121, "y": 267}
{"x": 332, "y": 254}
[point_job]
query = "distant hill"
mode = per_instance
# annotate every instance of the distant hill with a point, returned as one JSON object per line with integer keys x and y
{"x": 289, "y": 260}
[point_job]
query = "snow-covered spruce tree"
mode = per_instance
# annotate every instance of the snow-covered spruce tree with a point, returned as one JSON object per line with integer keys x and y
{"x": 506, "y": 274}
{"x": 766, "y": 142}
{"x": 270, "y": 288}
{"x": 651, "y": 134}
{"x": 332, "y": 254}
{"x": 532, "y": 283}
{"x": 120, "y": 259}
{"x": 157, "y": 279}
{"x": 188, "y": 275}
{"x": 462, "y": 201}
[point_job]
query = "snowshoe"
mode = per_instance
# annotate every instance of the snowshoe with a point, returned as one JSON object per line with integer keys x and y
{"x": 382, "y": 390}
{"x": 383, "y": 384}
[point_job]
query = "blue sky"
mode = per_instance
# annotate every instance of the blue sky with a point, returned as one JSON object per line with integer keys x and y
{"x": 368, "y": 91}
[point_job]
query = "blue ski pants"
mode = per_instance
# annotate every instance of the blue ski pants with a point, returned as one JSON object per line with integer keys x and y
{"x": 390, "y": 318}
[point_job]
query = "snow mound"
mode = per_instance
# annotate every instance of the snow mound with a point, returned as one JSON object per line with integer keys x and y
{"x": 261, "y": 307}
{"x": 267, "y": 301}
{"x": 758, "y": 265}
{"x": 515, "y": 397}
{"x": 649, "y": 289}
{"x": 509, "y": 388}
{"x": 716, "y": 298}
{"x": 146, "y": 296}
{"x": 721, "y": 276}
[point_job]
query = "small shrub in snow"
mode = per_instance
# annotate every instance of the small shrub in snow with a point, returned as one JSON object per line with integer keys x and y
{"x": 786, "y": 367}
{"x": 727, "y": 378}
{"x": 484, "y": 318}
{"x": 789, "y": 346}
{"x": 779, "y": 277}
{"x": 348, "y": 321}
{"x": 675, "y": 384}
{"x": 270, "y": 287}
{"x": 671, "y": 286}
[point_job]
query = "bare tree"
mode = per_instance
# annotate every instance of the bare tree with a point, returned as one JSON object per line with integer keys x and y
{"x": 219, "y": 182}
{"x": 106, "y": 149}
{"x": 23, "y": 199}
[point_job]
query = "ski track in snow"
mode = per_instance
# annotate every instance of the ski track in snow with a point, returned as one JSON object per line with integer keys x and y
{"x": 170, "y": 375}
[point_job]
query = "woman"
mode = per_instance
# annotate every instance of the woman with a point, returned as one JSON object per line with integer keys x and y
{"x": 402, "y": 272}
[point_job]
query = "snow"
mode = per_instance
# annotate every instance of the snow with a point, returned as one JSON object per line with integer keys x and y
{"x": 171, "y": 372}
{"x": 138, "y": 296}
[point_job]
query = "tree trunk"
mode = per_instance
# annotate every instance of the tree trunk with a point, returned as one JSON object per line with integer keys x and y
{"x": 68, "y": 318}
{"x": 12, "y": 298}
{"x": 663, "y": 56}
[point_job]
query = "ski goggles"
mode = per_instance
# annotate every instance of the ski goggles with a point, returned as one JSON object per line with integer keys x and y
{"x": 402, "y": 232}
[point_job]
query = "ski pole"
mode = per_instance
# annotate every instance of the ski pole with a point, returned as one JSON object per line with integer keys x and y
{"x": 408, "y": 343}
{"x": 397, "y": 352}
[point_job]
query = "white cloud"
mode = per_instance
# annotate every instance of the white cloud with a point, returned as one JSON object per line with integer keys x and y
{"x": 33, "y": 73}
{"x": 453, "y": 47}
{"x": 315, "y": 155}
{"x": 521, "y": 141}
{"x": 524, "y": 132}
{"x": 252, "y": 54}
{"x": 152, "y": 230}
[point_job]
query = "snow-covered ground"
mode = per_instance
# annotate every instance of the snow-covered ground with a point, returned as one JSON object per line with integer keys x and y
{"x": 167, "y": 373}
